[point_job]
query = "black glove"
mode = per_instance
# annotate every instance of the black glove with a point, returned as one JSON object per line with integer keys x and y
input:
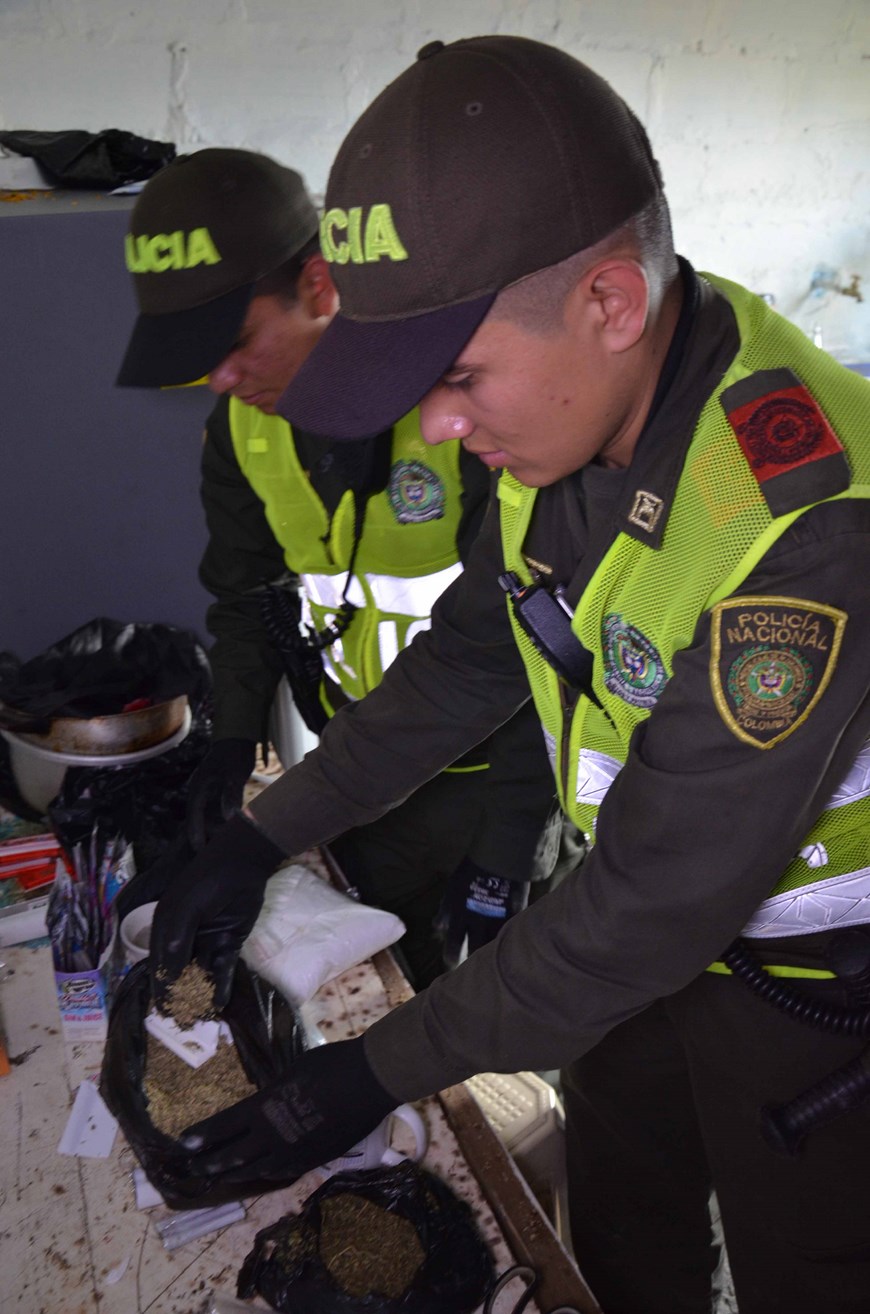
{"x": 475, "y": 906}
{"x": 209, "y": 911}
{"x": 216, "y": 786}
{"x": 331, "y": 1102}
{"x": 151, "y": 884}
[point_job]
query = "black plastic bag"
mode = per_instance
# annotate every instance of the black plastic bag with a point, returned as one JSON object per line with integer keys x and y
{"x": 105, "y": 159}
{"x": 146, "y": 803}
{"x": 97, "y": 670}
{"x": 104, "y": 665}
{"x": 266, "y": 1056}
{"x": 286, "y": 1266}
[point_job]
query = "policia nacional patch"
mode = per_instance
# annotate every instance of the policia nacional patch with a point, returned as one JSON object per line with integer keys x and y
{"x": 771, "y": 660}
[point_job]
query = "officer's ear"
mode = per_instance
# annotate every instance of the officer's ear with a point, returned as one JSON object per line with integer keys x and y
{"x": 315, "y": 289}
{"x": 612, "y": 298}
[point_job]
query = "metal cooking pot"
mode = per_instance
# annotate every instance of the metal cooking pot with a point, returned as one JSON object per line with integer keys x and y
{"x": 122, "y": 732}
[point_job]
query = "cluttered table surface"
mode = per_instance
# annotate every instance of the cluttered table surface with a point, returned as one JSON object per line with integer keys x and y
{"x": 75, "y": 1242}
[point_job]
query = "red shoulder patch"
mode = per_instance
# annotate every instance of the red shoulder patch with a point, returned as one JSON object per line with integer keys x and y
{"x": 782, "y": 430}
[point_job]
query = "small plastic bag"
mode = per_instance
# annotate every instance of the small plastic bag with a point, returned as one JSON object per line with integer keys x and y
{"x": 387, "y": 1241}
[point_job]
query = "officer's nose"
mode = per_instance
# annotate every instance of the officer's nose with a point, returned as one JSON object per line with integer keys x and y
{"x": 225, "y": 376}
{"x": 440, "y": 419}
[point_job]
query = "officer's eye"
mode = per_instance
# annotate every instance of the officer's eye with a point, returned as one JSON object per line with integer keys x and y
{"x": 458, "y": 382}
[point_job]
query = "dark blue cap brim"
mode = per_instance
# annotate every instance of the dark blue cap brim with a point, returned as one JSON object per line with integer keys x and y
{"x": 362, "y": 377}
{"x": 167, "y": 351}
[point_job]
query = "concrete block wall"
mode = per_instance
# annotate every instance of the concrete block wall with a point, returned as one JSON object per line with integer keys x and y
{"x": 759, "y": 113}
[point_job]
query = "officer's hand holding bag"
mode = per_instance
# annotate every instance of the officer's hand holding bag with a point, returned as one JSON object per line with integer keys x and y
{"x": 210, "y": 909}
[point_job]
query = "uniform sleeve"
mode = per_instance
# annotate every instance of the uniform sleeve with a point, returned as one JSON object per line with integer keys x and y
{"x": 242, "y": 556}
{"x": 691, "y": 837}
{"x": 453, "y": 686}
{"x": 518, "y": 836}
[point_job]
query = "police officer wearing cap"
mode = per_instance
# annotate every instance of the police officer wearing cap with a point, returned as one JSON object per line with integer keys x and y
{"x": 673, "y": 568}
{"x": 223, "y": 247}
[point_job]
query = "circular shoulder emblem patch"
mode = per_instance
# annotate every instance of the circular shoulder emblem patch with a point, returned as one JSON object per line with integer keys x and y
{"x": 770, "y": 684}
{"x": 416, "y": 493}
{"x": 783, "y": 431}
{"x": 633, "y": 667}
{"x": 771, "y": 659}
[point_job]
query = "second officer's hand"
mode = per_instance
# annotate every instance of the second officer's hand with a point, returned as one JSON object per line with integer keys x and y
{"x": 329, "y": 1103}
{"x": 475, "y": 906}
{"x": 217, "y": 786}
{"x": 210, "y": 908}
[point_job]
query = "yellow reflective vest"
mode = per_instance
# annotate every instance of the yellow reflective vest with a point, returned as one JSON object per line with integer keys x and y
{"x": 642, "y": 606}
{"x": 406, "y": 557}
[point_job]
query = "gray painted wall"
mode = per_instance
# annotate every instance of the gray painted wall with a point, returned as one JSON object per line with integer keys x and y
{"x": 99, "y": 500}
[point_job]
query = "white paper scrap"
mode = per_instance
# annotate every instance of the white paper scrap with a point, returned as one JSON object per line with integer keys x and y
{"x": 147, "y": 1196}
{"x": 90, "y": 1129}
{"x": 196, "y": 1045}
{"x": 115, "y": 1274}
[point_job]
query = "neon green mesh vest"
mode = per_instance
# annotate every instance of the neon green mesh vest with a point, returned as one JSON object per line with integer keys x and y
{"x": 718, "y": 529}
{"x": 406, "y": 557}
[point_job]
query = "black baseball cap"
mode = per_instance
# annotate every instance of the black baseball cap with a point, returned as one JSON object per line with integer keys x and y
{"x": 487, "y": 160}
{"x": 202, "y": 231}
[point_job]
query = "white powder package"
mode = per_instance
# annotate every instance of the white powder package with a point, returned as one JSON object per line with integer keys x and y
{"x": 308, "y": 932}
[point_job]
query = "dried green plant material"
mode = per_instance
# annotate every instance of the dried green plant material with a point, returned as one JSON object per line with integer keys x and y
{"x": 179, "y": 1095}
{"x": 295, "y": 1246}
{"x": 367, "y": 1249}
{"x": 191, "y": 998}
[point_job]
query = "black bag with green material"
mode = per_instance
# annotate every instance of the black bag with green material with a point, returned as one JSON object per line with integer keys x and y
{"x": 385, "y": 1241}
{"x": 268, "y": 1037}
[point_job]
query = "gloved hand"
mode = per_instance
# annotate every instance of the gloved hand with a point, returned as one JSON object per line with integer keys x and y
{"x": 216, "y": 786}
{"x": 475, "y": 906}
{"x": 153, "y": 882}
{"x": 209, "y": 910}
{"x": 331, "y": 1102}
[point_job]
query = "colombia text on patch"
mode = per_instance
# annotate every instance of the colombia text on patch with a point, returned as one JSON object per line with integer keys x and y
{"x": 771, "y": 661}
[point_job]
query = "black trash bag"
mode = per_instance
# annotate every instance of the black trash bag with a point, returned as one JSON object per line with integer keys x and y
{"x": 103, "y": 666}
{"x": 265, "y": 1059}
{"x": 97, "y": 670}
{"x": 145, "y": 803}
{"x": 82, "y": 159}
{"x": 440, "y": 1265}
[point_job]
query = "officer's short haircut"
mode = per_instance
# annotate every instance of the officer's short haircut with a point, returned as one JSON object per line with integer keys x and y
{"x": 283, "y": 282}
{"x": 536, "y": 304}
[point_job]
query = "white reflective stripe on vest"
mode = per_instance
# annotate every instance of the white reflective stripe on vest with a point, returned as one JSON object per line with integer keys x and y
{"x": 596, "y": 772}
{"x": 328, "y": 590}
{"x": 388, "y": 642}
{"x": 857, "y": 782}
{"x": 391, "y": 593}
{"x": 334, "y": 664}
{"x": 837, "y": 901}
{"x": 388, "y": 637}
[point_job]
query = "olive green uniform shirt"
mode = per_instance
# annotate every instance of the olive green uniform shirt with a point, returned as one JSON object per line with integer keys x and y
{"x": 693, "y": 832}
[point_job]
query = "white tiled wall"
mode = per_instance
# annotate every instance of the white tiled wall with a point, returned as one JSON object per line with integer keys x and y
{"x": 759, "y": 112}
